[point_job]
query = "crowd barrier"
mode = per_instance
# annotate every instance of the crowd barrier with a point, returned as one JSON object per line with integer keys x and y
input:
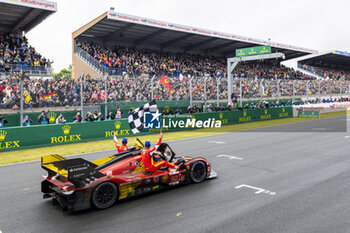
{"x": 15, "y": 138}
{"x": 14, "y": 118}
{"x": 126, "y": 106}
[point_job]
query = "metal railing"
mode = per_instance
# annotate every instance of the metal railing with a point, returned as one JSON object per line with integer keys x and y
{"x": 30, "y": 70}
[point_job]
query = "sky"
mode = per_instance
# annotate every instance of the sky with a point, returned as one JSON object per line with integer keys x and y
{"x": 319, "y": 25}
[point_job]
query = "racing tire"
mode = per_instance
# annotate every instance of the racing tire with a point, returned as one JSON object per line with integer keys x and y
{"x": 104, "y": 195}
{"x": 198, "y": 172}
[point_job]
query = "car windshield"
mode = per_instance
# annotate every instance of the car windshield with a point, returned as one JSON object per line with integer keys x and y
{"x": 167, "y": 153}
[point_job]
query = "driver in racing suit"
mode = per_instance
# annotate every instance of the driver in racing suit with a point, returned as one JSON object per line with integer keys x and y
{"x": 147, "y": 158}
{"x": 121, "y": 147}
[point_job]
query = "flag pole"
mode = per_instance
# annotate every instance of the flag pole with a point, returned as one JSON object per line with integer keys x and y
{"x": 152, "y": 82}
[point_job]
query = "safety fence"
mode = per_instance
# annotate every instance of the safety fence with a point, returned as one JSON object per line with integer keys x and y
{"x": 16, "y": 138}
{"x": 13, "y": 119}
{"x": 126, "y": 106}
{"x": 182, "y": 105}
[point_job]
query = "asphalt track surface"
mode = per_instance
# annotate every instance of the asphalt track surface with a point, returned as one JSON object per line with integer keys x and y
{"x": 276, "y": 182}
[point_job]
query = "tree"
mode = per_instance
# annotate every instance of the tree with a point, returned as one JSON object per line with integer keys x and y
{"x": 64, "y": 73}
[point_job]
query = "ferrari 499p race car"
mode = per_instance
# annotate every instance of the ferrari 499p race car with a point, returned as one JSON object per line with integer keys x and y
{"x": 77, "y": 184}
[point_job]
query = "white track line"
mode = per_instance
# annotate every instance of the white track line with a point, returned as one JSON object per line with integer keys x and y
{"x": 259, "y": 190}
{"x": 230, "y": 157}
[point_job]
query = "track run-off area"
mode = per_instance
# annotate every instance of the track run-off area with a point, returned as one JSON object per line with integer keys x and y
{"x": 289, "y": 178}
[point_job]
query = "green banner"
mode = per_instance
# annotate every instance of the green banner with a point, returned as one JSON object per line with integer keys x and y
{"x": 15, "y": 138}
{"x": 253, "y": 51}
{"x": 309, "y": 114}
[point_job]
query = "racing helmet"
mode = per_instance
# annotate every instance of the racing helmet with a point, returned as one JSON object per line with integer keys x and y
{"x": 124, "y": 141}
{"x": 147, "y": 144}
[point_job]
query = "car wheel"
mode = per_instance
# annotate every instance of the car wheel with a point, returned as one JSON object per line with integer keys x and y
{"x": 198, "y": 172}
{"x": 104, "y": 195}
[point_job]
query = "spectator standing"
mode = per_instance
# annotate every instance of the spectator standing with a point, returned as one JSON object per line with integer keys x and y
{"x": 99, "y": 117}
{"x": 89, "y": 117}
{"x": 77, "y": 118}
{"x": 110, "y": 116}
{"x": 3, "y": 121}
{"x": 60, "y": 119}
{"x": 43, "y": 118}
{"x": 95, "y": 115}
{"x": 27, "y": 121}
{"x": 118, "y": 113}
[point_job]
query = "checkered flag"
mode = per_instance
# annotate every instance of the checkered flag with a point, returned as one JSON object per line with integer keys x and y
{"x": 136, "y": 117}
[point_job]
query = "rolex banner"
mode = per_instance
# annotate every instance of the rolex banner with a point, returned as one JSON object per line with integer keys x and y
{"x": 14, "y": 138}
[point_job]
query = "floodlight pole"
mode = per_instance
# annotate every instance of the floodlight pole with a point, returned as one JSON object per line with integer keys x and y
{"x": 307, "y": 90}
{"x": 206, "y": 76}
{"x": 319, "y": 90}
{"x": 191, "y": 91}
{"x": 294, "y": 91}
{"x": 261, "y": 90}
{"x": 240, "y": 93}
{"x": 340, "y": 86}
{"x": 152, "y": 86}
{"x": 106, "y": 78}
{"x": 21, "y": 99}
{"x": 278, "y": 91}
{"x": 233, "y": 62}
{"x": 82, "y": 97}
{"x": 217, "y": 90}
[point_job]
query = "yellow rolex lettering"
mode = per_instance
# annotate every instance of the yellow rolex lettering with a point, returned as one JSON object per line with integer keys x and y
{"x": 53, "y": 139}
{"x": 60, "y": 139}
{"x": 8, "y": 145}
{"x": 15, "y": 144}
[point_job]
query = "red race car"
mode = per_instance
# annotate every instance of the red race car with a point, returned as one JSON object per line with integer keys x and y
{"x": 77, "y": 184}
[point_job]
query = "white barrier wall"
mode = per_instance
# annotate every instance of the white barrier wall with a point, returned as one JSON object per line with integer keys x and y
{"x": 322, "y": 108}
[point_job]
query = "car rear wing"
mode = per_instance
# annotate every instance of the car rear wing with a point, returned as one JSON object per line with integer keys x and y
{"x": 78, "y": 171}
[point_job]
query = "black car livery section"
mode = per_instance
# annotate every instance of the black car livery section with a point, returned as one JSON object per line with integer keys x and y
{"x": 77, "y": 184}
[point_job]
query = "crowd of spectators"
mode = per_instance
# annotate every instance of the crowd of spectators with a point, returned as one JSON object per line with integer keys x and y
{"x": 66, "y": 92}
{"x": 138, "y": 61}
{"x": 327, "y": 72}
{"x": 16, "y": 51}
{"x": 268, "y": 79}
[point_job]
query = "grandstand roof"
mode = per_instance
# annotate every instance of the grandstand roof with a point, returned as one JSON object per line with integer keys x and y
{"x": 143, "y": 32}
{"x": 16, "y": 16}
{"x": 333, "y": 58}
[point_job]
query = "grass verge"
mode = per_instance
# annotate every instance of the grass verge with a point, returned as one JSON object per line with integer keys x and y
{"x": 86, "y": 147}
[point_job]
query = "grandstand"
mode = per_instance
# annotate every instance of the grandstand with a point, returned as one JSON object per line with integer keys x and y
{"x": 113, "y": 29}
{"x": 16, "y": 19}
{"x": 331, "y": 64}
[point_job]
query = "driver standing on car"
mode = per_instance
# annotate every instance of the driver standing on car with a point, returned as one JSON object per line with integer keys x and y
{"x": 147, "y": 158}
{"x": 121, "y": 147}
